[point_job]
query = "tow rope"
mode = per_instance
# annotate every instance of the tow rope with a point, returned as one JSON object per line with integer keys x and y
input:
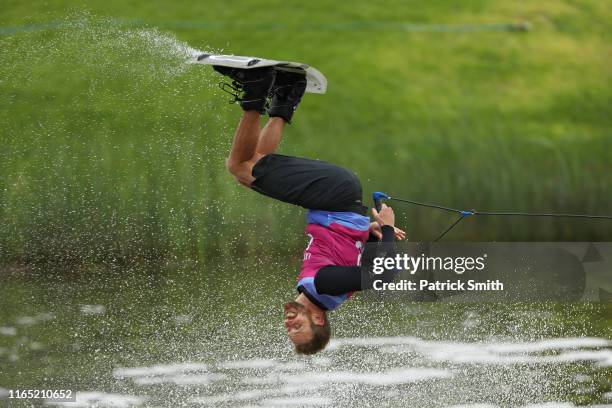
{"x": 378, "y": 198}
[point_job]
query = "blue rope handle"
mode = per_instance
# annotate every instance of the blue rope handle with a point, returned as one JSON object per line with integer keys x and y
{"x": 378, "y": 196}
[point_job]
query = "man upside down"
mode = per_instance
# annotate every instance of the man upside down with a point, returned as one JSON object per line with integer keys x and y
{"x": 338, "y": 227}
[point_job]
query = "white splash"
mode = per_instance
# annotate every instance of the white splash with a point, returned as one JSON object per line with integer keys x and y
{"x": 248, "y": 364}
{"x": 38, "y": 318}
{"x": 8, "y": 331}
{"x": 181, "y": 379}
{"x": 550, "y": 344}
{"x": 93, "y": 309}
{"x": 100, "y": 399}
{"x": 26, "y": 320}
{"x": 568, "y": 350}
{"x": 539, "y": 405}
{"x": 267, "y": 396}
{"x": 538, "y": 346}
{"x": 310, "y": 401}
{"x": 390, "y": 377}
{"x": 236, "y": 396}
{"x": 157, "y": 370}
{"x": 474, "y": 406}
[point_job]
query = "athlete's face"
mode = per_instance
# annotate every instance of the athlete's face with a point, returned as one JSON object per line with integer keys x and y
{"x": 298, "y": 323}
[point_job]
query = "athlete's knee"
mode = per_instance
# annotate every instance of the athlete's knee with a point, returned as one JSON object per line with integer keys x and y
{"x": 240, "y": 171}
{"x": 234, "y": 167}
{"x": 231, "y": 166}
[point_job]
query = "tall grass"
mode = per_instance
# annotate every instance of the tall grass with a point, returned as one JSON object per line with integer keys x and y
{"x": 112, "y": 148}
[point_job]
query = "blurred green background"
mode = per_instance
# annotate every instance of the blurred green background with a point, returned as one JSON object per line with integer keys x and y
{"x": 112, "y": 148}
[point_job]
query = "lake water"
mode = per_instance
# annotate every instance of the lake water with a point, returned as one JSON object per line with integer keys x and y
{"x": 211, "y": 335}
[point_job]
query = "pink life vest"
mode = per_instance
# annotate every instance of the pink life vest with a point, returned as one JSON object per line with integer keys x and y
{"x": 336, "y": 238}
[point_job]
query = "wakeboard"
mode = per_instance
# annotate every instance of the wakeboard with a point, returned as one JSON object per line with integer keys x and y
{"x": 316, "y": 81}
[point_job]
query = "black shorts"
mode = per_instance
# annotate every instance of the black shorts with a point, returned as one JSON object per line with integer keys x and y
{"x": 312, "y": 184}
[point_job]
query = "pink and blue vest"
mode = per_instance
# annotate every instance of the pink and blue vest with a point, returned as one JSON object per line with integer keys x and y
{"x": 336, "y": 238}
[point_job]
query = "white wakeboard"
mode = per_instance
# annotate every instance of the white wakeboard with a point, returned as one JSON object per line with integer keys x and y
{"x": 316, "y": 82}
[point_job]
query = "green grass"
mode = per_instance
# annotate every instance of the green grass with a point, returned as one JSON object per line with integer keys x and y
{"x": 112, "y": 150}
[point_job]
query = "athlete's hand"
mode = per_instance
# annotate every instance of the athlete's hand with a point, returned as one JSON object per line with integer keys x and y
{"x": 375, "y": 230}
{"x": 400, "y": 235}
{"x": 385, "y": 216}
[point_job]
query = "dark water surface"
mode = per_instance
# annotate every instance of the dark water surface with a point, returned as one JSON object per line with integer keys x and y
{"x": 211, "y": 335}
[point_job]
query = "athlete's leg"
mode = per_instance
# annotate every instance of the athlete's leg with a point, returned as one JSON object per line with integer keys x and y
{"x": 270, "y": 136}
{"x": 251, "y": 144}
{"x": 247, "y": 149}
{"x": 287, "y": 92}
{"x": 255, "y": 85}
{"x": 244, "y": 155}
{"x": 288, "y": 89}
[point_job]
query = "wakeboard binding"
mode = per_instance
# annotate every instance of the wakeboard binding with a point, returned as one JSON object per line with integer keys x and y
{"x": 249, "y": 87}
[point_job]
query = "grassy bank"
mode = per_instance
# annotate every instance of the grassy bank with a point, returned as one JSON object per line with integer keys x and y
{"x": 112, "y": 148}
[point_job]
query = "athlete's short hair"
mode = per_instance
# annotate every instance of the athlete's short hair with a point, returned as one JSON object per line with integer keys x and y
{"x": 320, "y": 338}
